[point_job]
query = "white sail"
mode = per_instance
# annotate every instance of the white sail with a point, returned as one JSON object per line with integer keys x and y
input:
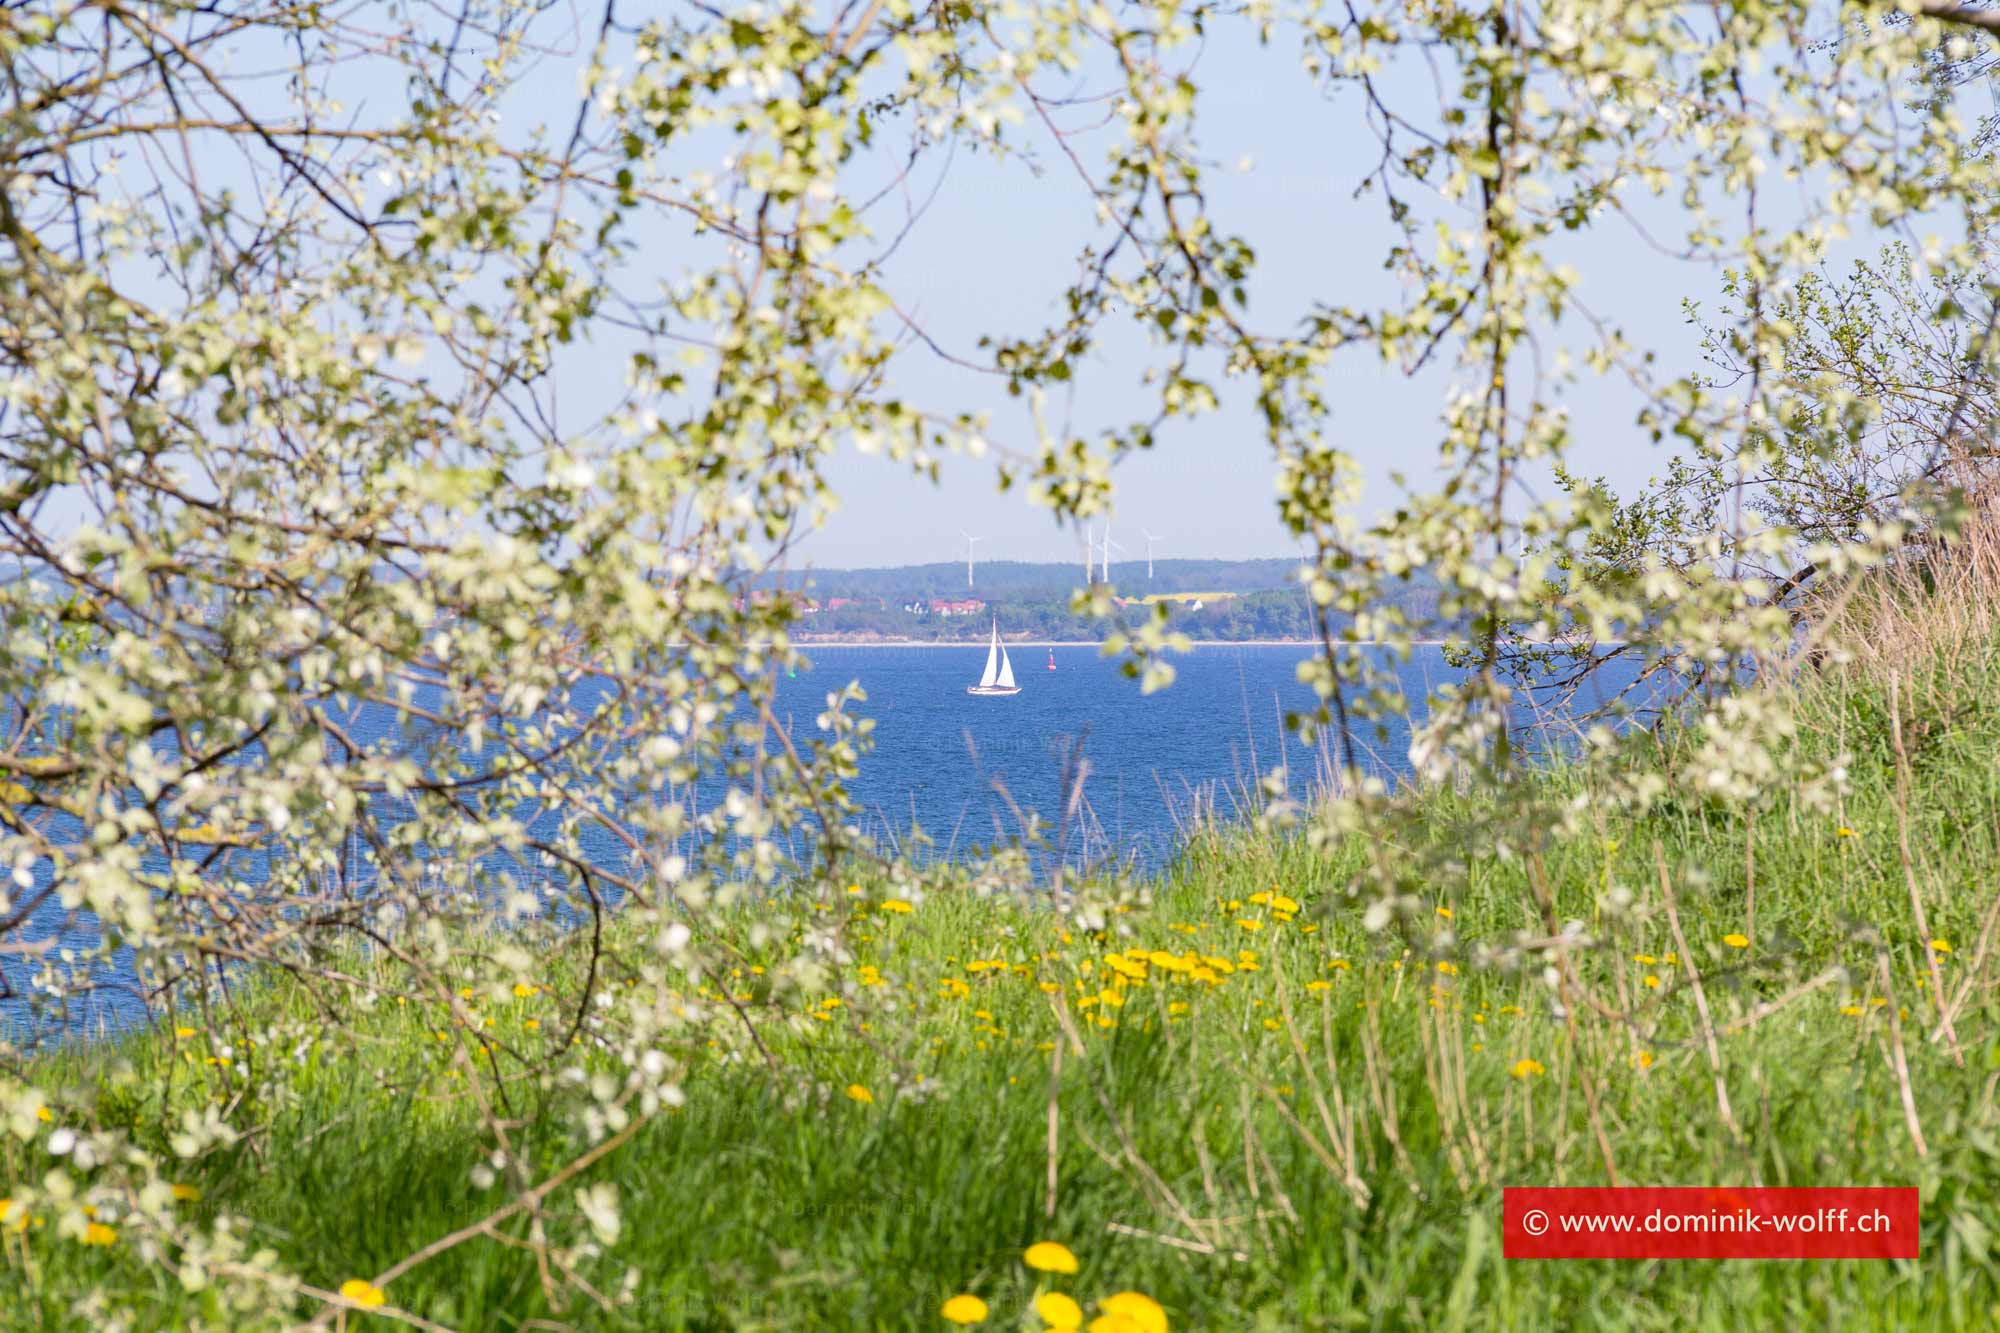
{"x": 987, "y": 676}
{"x": 1006, "y": 667}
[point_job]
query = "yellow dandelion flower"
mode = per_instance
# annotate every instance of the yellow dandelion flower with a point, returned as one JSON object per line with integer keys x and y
{"x": 96, "y": 1233}
{"x": 1851, "y": 1010}
{"x": 43, "y": 1114}
{"x": 1143, "y": 1312}
{"x": 1942, "y": 946}
{"x": 855, "y": 1092}
{"x": 1284, "y": 904}
{"x": 1059, "y": 1312}
{"x": 1528, "y": 1068}
{"x": 1448, "y": 969}
{"x": 1845, "y": 832}
{"x": 1445, "y": 912}
{"x": 187, "y": 1193}
{"x": 1319, "y": 985}
{"x": 183, "y": 1033}
{"x": 1048, "y": 1256}
{"x": 362, "y": 1292}
{"x": 1652, "y": 982}
{"x": 964, "y": 1309}
{"x": 522, "y": 990}
{"x": 1643, "y": 1059}
{"x": 1736, "y": 941}
{"x": 897, "y": 905}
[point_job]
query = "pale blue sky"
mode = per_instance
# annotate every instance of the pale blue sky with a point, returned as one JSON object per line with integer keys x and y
{"x": 993, "y": 254}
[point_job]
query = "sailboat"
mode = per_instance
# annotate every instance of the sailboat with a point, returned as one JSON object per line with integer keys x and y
{"x": 998, "y": 678}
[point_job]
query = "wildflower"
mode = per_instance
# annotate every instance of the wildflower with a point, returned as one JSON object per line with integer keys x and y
{"x": 856, "y": 1092}
{"x": 1528, "y": 1068}
{"x": 533, "y": 1025}
{"x": 1284, "y": 904}
{"x": 1942, "y": 946}
{"x": 1448, "y": 969}
{"x": 362, "y": 1292}
{"x": 964, "y": 1309}
{"x": 1736, "y": 941}
{"x": 522, "y": 990}
{"x": 1845, "y": 832}
{"x": 183, "y": 1033}
{"x": 1643, "y": 1059}
{"x": 1249, "y": 924}
{"x": 1652, "y": 982}
{"x": 1445, "y": 912}
{"x": 43, "y": 1114}
{"x": 1851, "y": 1010}
{"x": 1142, "y": 1312}
{"x": 187, "y": 1193}
{"x": 1048, "y": 1256}
{"x": 897, "y": 905}
{"x": 1319, "y": 985}
{"x": 1059, "y": 1312}
{"x": 96, "y": 1233}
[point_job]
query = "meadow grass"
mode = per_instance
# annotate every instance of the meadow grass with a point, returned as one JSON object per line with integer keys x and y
{"x": 1265, "y": 1115}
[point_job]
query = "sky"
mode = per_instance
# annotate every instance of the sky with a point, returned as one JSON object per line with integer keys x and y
{"x": 994, "y": 251}
{"x": 995, "y": 247}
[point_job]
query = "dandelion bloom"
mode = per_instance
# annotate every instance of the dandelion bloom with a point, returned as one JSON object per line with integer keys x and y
{"x": 183, "y": 1033}
{"x": 1143, "y": 1312}
{"x": 362, "y": 1292}
{"x": 187, "y": 1193}
{"x": 964, "y": 1309}
{"x": 1049, "y": 1256}
{"x": 1736, "y": 941}
{"x": 1845, "y": 832}
{"x": 1528, "y": 1068}
{"x": 1059, "y": 1312}
{"x": 860, "y": 1094}
{"x": 1942, "y": 946}
{"x": 896, "y": 905}
{"x": 96, "y": 1233}
{"x": 1445, "y": 912}
{"x": 522, "y": 990}
{"x": 1643, "y": 1059}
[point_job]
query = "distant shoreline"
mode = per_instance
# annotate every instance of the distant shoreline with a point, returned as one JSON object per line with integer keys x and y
{"x": 1074, "y": 643}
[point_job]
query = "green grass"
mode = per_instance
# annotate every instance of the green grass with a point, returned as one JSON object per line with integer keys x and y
{"x": 771, "y": 1199}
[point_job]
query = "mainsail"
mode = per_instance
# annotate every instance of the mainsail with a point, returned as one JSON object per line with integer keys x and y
{"x": 987, "y": 677}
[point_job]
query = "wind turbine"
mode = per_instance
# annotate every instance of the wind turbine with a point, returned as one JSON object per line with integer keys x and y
{"x": 1108, "y": 544}
{"x": 1150, "y": 539}
{"x": 970, "y": 542}
{"x": 1087, "y": 556}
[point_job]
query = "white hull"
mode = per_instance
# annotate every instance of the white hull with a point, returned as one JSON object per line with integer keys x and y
{"x": 993, "y": 689}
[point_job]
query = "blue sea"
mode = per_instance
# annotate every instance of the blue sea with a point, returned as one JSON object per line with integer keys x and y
{"x": 1113, "y": 774}
{"x": 963, "y": 768}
